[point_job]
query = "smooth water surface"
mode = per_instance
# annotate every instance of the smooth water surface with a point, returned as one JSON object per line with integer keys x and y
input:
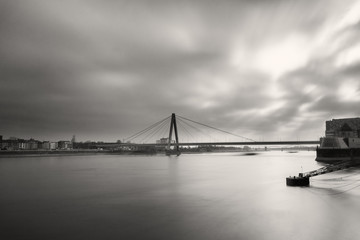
{"x": 193, "y": 196}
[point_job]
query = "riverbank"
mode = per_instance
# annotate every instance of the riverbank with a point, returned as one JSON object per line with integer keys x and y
{"x": 37, "y": 153}
{"x": 75, "y": 152}
{"x": 82, "y": 152}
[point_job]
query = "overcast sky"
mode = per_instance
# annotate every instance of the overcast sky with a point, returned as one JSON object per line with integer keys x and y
{"x": 102, "y": 70}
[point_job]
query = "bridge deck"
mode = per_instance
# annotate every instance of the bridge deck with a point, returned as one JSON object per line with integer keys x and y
{"x": 212, "y": 143}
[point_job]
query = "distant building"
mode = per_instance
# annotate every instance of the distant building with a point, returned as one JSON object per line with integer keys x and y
{"x": 46, "y": 145}
{"x": 64, "y": 145}
{"x": 11, "y": 144}
{"x": 162, "y": 141}
{"x": 24, "y": 145}
{"x": 14, "y": 143}
{"x": 346, "y": 127}
{"x": 34, "y": 145}
{"x": 4, "y": 145}
{"x": 246, "y": 148}
{"x": 54, "y": 145}
{"x": 73, "y": 139}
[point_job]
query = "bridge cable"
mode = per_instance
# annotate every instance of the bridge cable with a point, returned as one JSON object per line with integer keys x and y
{"x": 146, "y": 129}
{"x": 165, "y": 131}
{"x": 185, "y": 129}
{"x": 148, "y": 134}
{"x": 194, "y": 127}
{"x": 191, "y": 126}
{"x": 154, "y": 131}
{"x": 216, "y": 129}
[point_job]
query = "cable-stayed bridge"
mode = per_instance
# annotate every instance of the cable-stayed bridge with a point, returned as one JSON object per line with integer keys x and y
{"x": 187, "y": 132}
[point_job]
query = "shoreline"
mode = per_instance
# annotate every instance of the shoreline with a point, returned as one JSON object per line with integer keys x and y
{"x": 46, "y": 153}
{"x": 84, "y": 152}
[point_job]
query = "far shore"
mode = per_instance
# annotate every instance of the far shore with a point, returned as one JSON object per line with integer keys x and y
{"x": 79, "y": 152}
{"x": 36, "y": 153}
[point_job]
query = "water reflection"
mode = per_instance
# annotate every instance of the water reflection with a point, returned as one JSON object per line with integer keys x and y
{"x": 200, "y": 196}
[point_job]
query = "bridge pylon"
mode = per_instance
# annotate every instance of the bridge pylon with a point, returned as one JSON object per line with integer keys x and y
{"x": 173, "y": 126}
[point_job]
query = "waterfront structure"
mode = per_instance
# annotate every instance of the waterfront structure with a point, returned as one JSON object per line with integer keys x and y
{"x": 24, "y": 145}
{"x": 341, "y": 141}
{"x": 46, "y": 145}
{"x": 162, "y": 141}
{"x": 10, "y": 144}
{"x": 73, "y": 139}
{"x": 53, "y": 145}
{"x": 64, "y": 145}
{"x": 346, "y": 127}
{"x": 32, "y": 144}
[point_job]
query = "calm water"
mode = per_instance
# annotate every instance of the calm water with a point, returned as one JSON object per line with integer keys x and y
{"x": 206, "y": 196}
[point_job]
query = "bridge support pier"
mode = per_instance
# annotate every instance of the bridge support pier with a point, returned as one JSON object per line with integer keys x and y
{"x": 173, "y": 125}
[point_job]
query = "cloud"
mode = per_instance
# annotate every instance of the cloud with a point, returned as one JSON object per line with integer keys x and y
{"x": 104, "y": 70}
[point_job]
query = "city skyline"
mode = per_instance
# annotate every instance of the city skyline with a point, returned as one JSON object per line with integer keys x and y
{"x": 104, "y": 70}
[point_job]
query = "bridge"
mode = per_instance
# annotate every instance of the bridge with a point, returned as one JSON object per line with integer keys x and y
{"x": 173, "y": 147}
{"x": 259, "y": 143}
{"x": 173, "y": 123}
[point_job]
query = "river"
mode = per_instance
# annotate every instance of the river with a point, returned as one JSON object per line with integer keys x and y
{"x": 193, "y": 196}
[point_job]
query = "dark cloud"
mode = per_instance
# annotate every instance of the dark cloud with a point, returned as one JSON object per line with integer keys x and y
{"x": 105, "y": 69}
{"x": 352, "y": 70}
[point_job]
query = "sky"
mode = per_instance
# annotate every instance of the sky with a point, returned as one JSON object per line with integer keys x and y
{"x": 103, "y": 70}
